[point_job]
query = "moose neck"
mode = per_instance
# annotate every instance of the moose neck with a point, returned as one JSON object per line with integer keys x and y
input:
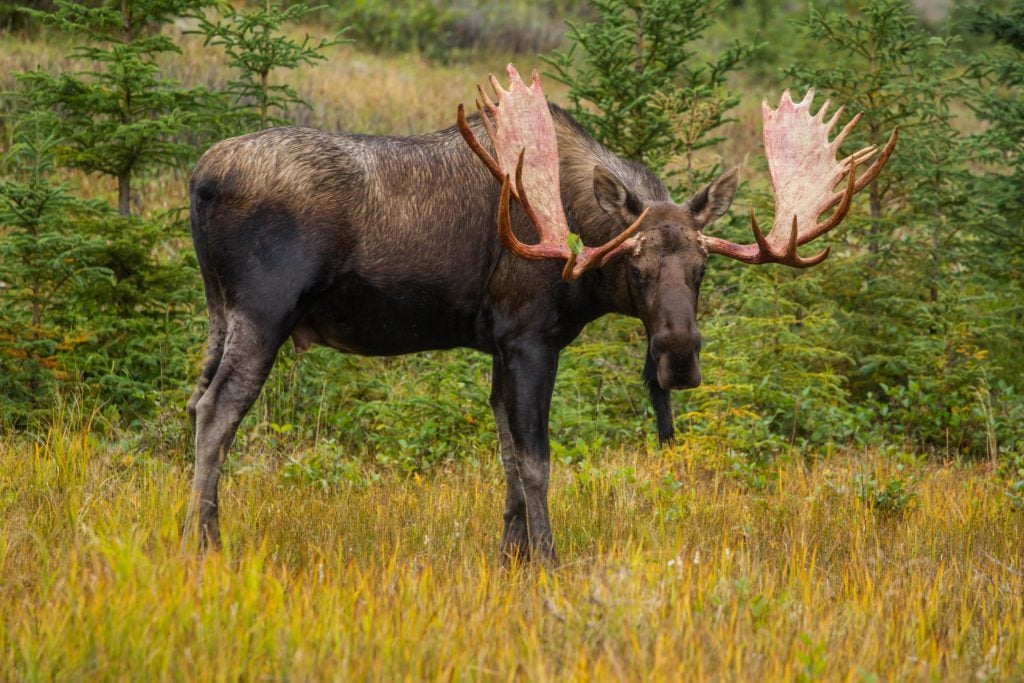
{"x": 611, "y": 291}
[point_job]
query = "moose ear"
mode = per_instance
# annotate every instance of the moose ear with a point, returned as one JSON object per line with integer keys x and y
{"x": 713, "y": 201}
{"x": 613, "y": 197}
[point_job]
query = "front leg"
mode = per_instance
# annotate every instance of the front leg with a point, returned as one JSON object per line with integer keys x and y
{"x": 522, "y": 382}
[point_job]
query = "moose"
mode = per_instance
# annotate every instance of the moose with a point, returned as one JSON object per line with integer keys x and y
{"x": 388, "y": 245}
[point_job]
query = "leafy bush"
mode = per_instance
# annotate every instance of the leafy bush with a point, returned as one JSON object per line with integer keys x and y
{"x": 891, "y": 497}
{"x": 773, "y": 349}
{"x": 325, "y": 466}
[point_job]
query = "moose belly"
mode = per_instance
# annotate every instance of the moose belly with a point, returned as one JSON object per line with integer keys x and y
{"x": 371, "y": 322}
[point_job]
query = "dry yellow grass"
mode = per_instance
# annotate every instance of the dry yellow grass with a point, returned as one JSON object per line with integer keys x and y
{"x": 669, "y": 569}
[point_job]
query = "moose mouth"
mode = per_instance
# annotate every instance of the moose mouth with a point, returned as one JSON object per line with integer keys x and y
{"x": 676, "y": 355}
{"x": 679, "y": 370}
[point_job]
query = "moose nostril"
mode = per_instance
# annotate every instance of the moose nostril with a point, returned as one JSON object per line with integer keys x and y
{"x": 676, "y": 343}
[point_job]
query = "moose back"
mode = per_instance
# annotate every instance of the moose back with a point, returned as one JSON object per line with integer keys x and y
{"x": 392, "y": 245}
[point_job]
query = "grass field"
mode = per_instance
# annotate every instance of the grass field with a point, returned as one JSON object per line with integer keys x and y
{"x": 668, "y": 567}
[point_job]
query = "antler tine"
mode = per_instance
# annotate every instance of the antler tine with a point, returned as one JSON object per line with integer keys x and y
{"x": 846, "y": 198}
{"x": 800, "y": 262}
{"x": 485, "y": 118}
{"x": 491, "y": 106}
{"x": 762, "y": 243}
{"x": 617, "y": 244}
{"x": 860, "y": 156}
{"x": 505, "y": 234}
{"x": 835, "y": 119}
{"x": 474, "y": 144}
{"x": 872, "y": 171}
{"x": 496, "y": 86}
{"x": 794, "y": 260}
{"x": 486, "y": 110}
{"x": 834, "y": 147}
{"x": 820, "y": 116}
{"x": 880, "y": 162}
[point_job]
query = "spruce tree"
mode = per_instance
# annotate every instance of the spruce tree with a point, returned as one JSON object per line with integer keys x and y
{"x": 637, "y": 84}
{"x": 256, "y": 47}
{"x": 116, "y": 115}
{"x": 47, "y": 266}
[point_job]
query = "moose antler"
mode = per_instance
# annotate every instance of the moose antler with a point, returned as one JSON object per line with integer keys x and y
{"x": 522, "y": 133}
{"x": 804, "y": 175}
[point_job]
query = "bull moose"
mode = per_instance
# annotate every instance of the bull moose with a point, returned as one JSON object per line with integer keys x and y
{"x": 388, "y": 245}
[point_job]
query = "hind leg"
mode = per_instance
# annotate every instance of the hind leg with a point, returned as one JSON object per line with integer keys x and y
{"x": 214, "y": 352}
{"x": 248, "y": 354}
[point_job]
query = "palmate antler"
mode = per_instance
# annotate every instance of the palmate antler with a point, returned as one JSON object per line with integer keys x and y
{"x": 522, "y": 133}
{"x": 804, "y": 175}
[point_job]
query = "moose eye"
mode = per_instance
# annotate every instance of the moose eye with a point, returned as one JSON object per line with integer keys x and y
{"x": 700, "y": 274}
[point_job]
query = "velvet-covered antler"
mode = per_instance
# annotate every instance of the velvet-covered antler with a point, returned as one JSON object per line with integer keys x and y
{"x": 522, "y": 134}
{"x": 805, "y": 173}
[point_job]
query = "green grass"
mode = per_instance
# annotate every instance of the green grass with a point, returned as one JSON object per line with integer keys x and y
{"x": 669, "y": 564}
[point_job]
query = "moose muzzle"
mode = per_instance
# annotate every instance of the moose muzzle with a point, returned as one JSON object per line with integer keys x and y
{"x": 677, "y": 354}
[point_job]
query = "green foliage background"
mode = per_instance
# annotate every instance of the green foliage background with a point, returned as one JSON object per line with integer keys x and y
{"x": 906, "y": 337}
